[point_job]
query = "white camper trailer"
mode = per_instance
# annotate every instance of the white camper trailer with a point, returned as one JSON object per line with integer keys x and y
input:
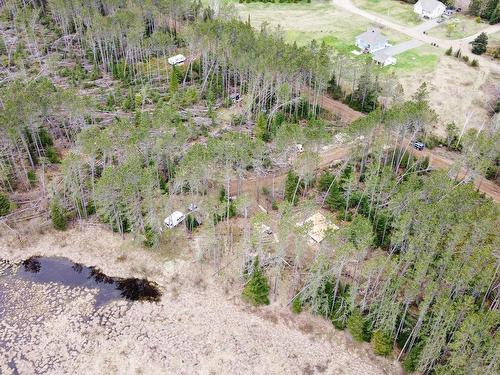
{"x": 174, "y": 219}
{"x": 176, "y": 60}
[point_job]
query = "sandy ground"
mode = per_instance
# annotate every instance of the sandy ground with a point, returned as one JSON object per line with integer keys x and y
{"x": 196, "y": 328}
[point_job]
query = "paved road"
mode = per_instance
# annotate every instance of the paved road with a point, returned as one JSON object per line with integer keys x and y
{"x": 417, "y": 33}
{"x": 403, "y": 47}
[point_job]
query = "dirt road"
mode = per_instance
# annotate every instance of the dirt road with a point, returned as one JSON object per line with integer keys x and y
{"x": 487, "y": 187}
{"x": 346, "y": 113}
{"x": 275, "y": 181}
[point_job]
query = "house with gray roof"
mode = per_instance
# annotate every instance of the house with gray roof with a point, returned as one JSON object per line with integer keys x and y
{"x": 372, "y": 41}
{"x": 382, "y": 57}
{"x": 429, "y": 8}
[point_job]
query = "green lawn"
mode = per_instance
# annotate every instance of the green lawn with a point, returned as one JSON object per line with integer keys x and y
{"x": 392, "y": 10}
{"x": 463, "y": 26}
{"x": 424, "y": 59}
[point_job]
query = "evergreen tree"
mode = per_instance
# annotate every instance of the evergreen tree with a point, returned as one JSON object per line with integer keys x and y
{"x": 174, "y": 81}
{"x": 58, "y": 215}
{"x": 410, "y": 363}
{"x": 489, "y": 10}
{"x": 422, "y": 93}
{"x": 358, "y": 326}
{"x": 261, "y": 131}
{"x": 381, "y": 343}
{"x": 334, "y": 89}
{"x": 256, "y": 291}
{"x": 4, "y": 204}
{"x": 151, "y": 238}
{"x": 3, "y": 47}
{"x": 292, "y": 187}
{"x": 479, "y": 44}
{"x": 32, "y": 177}
{"x": 325, "y": 180}
{"x": 495, "y": 14}
{"x": 192, "y": 223}
{"x": 335, "y": 199}
{"x": 475, "y": 7}
{"x": 297, "y": 305}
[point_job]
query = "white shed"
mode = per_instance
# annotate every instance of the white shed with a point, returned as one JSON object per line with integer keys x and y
{"x": 429, "y": 8}
{"x": 177, "y": 60}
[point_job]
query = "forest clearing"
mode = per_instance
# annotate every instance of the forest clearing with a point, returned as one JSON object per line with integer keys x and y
{"x": 201, "y": 187}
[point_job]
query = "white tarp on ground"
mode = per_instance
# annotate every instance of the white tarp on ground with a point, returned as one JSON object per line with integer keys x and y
{"x": 319, "y": 226}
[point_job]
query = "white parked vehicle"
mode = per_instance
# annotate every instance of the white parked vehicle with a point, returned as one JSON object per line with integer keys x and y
{"x": 174, "y": 219}
{"x": 300, "y": 148}
{"x": 176, "y": 60}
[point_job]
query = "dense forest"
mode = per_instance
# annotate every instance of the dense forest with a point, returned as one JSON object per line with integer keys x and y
{"x": 95, "y": 124}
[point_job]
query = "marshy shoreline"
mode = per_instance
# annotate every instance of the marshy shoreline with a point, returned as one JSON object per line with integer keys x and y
{"x": 198, "y": 326}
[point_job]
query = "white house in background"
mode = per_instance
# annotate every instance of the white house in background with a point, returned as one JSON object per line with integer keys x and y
{"x": 176, "y": 60}
{"x": 372, "y": 41}
{"x": 429, "y": 8}
{"x": 383, "y": 58}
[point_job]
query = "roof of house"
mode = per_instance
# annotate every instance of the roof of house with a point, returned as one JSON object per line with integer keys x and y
{"x": 373, "y": 37}
{"x": 380, "y": 56}
{"x": 430, "y": 5}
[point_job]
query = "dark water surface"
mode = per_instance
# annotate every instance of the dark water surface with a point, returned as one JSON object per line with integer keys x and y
{"x": 65, "y": 272}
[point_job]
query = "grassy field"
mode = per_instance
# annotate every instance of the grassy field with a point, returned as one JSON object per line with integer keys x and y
{"x": 464, "y": 26}
{"x": 396, "y": 11}
{"x": 318, "y": 20}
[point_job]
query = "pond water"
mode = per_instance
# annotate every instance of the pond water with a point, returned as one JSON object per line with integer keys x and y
{"x": 65, "y": 272}
{"x": 43, "y": 290}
